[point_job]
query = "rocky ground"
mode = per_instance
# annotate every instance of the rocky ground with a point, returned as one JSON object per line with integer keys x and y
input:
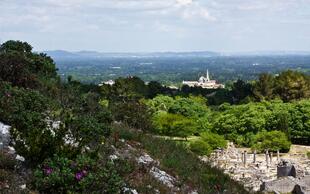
{"x": 147, "y": 176}
{"x": 13, "y": 174}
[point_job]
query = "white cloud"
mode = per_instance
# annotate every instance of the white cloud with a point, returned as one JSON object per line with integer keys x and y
{"x": 184, "y": 2}
{"x": 198, "y": 13}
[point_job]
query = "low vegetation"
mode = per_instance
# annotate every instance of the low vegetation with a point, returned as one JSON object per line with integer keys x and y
{"x": 82, "y": 175}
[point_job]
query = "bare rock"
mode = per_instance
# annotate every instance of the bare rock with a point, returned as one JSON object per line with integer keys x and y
{"x": 163, "y": 177}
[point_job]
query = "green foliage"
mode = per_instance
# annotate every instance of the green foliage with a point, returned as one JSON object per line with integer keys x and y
{"x": 132, "y": 87}
{"x": 24, "y": 68}
{"x": 299, "y": 124}
{"x": 84, "y": 131}
{"x": 173, "y": 124}
{"x": 214, "y": 140}
{"x": 292, "y": 85}
{"x": 180, "y": 116}
{"x": 264, "y": 87}
{"x": 62, "y": 175}
{"x": 160, "y": 103}
{"x": 189, "y": 107}
{"x": 241, "y": 90}
{"x": 132, "y": 112}
{"x": 207, "y": 143}
{"x": 27, "y": 112}
{"x": 272, "y": 141}
{"x": 289, "y": 85}
{"x": 154, "y": 88}
{"x": 200, "y": 147}
{"x": 32, "y": 101}
{"x": 15, "y": 46}
{"x": 308, "y": 155}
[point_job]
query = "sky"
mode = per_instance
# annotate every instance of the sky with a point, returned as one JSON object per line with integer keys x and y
{"x": 158, "y": 25}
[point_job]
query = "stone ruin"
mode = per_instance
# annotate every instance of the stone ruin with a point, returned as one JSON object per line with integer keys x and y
{"x": 269, "y": 172}
{"x": 285, "y": 168}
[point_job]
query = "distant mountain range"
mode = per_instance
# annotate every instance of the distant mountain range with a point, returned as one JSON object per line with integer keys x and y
{"x": 94, "y": 54}
{"x": 62, "y": 54}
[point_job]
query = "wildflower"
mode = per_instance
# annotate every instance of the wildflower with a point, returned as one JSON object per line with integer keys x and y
{"x": 79, "y": 176}
{"x": 48, "y": 170}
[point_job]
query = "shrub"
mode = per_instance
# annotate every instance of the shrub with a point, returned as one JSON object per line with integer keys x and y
{"x": 200, "y": 147}
{"x": 84, "y": 174}
{"x": 214, "y": 140}
{"x": 26, "y": 111}
{"x": 207, "y": 143}
{"x": 173, "y": 125}
{"x": 273, "y": 141}
{"x": 132, "y": 112}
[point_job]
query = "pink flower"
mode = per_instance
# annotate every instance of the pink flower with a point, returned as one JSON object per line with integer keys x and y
{"x": 48, "y": 170}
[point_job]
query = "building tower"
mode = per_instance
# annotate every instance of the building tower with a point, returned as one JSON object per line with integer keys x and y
{"x": 208, "y": 78}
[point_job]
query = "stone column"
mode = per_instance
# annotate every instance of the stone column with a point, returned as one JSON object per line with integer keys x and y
{"x": 267, "y": 156}
{"x": 254, "y": 156}
{"x": 270, "y": 157}
{"x": 278, "y": 155}
{"x": 244, "y": 158}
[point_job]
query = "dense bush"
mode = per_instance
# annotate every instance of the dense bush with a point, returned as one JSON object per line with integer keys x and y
{"x": 272, "y": 141}
{"x": 214, "y": 140}
{"x": 132, "y": 112}
{"x": 47, "y": 117}
{"x": 27, "y": 112}
{"x": 288, "y": 85}
{"x": 23, "y": 68}
{"x": 173, "y": 125}
{"x": 189, "y": 107}
{"x": 207, "y": 143}
{"x": 200, "y": 147}
{"x": 82, "y": 175}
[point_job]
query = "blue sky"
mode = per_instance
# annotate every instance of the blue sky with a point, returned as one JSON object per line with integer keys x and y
{"x": 158, "y": 25}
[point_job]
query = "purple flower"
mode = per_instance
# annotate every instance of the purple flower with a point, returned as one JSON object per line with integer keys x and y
{"x": 48, "y": 170}
{"x": 79, "y": 176}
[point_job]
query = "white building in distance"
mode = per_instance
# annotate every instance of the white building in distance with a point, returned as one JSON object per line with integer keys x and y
{"x": 109, "y": 82}
{"x": 204, "y": 82}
